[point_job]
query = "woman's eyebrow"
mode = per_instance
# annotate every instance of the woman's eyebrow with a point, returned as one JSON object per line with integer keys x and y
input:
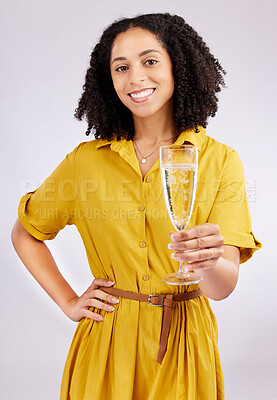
{"x": 143, "y": 53}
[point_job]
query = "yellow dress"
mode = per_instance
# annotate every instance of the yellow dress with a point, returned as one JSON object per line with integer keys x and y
{"x": 124, "y": 225}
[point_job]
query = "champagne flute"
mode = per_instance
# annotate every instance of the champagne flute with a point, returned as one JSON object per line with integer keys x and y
{"x": 179, "y": 165}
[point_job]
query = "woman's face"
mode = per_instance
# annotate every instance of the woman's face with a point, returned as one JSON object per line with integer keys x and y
{"x": 142, "y": 75}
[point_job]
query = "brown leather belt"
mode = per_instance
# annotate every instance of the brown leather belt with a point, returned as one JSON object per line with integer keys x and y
{"x": 166, "y": 301}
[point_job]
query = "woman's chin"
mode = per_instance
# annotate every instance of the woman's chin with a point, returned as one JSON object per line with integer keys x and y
{"x": 146, "y": 113}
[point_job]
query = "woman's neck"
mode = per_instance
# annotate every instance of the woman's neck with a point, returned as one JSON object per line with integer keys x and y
{"x": 154, "y": 129}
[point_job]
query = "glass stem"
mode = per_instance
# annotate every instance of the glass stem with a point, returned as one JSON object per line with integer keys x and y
{"x": 185, "y": 271}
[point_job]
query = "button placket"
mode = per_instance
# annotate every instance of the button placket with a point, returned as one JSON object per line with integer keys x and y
{"x": 145, "y": 273}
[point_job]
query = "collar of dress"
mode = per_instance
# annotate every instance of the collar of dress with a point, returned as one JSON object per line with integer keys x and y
{"x": 187, "y": 136}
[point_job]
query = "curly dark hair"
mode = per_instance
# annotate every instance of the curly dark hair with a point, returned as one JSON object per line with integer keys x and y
{"x": 198, "y": 76}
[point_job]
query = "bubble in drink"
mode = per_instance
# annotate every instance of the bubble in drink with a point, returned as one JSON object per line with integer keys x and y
{"x": 179, "y": 185}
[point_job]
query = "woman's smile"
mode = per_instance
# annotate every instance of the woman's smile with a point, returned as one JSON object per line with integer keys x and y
{"x": 140, "y": 96}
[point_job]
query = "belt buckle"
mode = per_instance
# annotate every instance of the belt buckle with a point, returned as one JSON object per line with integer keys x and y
{"x": 152, "y": 304}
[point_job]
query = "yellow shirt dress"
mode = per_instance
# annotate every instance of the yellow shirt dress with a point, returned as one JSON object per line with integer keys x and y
{"x": 124, "y": 225}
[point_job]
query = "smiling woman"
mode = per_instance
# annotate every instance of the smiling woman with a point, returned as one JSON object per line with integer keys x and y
{"x": 151, "y": 81}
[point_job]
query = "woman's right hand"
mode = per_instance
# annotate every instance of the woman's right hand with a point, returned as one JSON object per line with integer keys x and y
{"x": 78, "y": 307}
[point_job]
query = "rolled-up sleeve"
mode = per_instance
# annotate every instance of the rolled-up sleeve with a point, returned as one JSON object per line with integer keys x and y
{"x": 231, "y": 210}
{"x": 50, "y": 208}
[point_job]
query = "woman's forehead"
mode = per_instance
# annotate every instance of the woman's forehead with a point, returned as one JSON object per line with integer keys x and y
{"x": 135, "y": 40}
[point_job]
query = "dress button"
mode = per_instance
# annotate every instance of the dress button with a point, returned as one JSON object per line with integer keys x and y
{"x": 145, "y": 277}
{"x": 142, "y": 244}
{"x": 141, "y": 208}
{"x": 148, "y": 179}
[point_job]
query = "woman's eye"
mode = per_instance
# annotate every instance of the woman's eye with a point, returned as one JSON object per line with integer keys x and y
{"x": 151, "y": 62}
{"x": 122, "y": 68}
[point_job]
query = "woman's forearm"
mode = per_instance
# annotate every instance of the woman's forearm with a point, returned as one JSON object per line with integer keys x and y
{"x": 37, "y": 258}
{"x": 218, "y": 282}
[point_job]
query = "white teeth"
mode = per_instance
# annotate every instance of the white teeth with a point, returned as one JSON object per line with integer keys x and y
{"x": 142, "y": 94}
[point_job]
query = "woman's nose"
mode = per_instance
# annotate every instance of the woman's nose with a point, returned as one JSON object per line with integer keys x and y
{"x": 137, "y": 75}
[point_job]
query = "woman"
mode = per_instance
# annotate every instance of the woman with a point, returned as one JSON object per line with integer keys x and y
{"x": 152, "y": 81}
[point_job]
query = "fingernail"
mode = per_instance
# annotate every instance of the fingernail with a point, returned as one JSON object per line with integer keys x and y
{"x": 176, "y": 236}
{"x": 115, "y": 300}
{"x": 111, "y": 283}
{"x": 110, "y": 308}
{"x": 101, "y": 318}
{"x": 170, "y": 246}
{"x": 176, "y": 256}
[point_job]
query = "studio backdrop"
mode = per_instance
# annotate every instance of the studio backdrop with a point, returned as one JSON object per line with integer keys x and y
{"x": 45, "y": 50}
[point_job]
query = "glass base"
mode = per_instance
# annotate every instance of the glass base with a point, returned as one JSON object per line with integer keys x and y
{"x": 180, "y": 278}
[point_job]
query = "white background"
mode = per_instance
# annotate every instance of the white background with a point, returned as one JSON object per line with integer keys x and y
{"x": 44, "y": 56}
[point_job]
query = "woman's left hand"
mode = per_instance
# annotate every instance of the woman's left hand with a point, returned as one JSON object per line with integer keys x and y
{"x": 201, "y": 246}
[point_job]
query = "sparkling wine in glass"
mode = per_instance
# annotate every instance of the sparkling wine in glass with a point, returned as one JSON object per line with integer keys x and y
{"x": 179, "y": 165}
